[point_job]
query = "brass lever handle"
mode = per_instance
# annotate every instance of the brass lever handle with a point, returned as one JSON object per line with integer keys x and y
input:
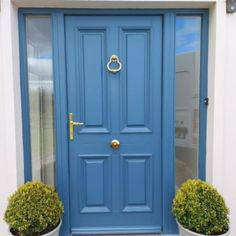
{"x": 72, "y": 124}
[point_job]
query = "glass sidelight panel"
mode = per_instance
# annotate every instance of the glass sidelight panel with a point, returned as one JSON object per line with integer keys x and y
{"x": 188, "y": 40}
{"x": 41, "y": 99}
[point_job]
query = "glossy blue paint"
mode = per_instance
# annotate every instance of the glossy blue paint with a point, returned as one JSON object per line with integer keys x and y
{"x": 61, "y": 117}
{"x": 25, "y": 99}
{"x": 131, "y": 164}
{"x": 115, "y": 188}
{"x": 168, "y": 130}
{"x": 61, "y": 111}
{"x": 203, "y": 95}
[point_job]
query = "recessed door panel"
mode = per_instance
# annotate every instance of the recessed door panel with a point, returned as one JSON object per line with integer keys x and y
{"x": 115, "y": 188}
{"x": 137, "y": 188}
{"x": 135, "y": 46}
{"x": 91, "y": 79}
{"x": 94, "y": 179}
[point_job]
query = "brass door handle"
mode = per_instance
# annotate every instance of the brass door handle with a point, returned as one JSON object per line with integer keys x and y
{"x": 115, "y": 144}
{"x": 72, "y": 124}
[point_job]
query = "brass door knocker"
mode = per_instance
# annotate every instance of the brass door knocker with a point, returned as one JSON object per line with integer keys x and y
{"x": 114, "y": 59}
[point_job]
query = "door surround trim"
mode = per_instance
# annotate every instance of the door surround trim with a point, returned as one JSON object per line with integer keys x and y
{"x": 168, "y": 108}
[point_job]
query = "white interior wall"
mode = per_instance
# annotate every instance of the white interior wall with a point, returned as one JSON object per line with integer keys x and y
{"x": 222, "y": 82}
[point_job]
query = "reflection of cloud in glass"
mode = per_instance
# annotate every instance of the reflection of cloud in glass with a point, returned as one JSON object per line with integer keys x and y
{"x": 40, "y": 67}
{"x": 39, "y": 38}
{"x": 188, "y": 34}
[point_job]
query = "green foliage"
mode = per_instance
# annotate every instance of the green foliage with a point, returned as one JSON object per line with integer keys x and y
{"x": 34, "y": 208}
{"x": 200, "y": 208}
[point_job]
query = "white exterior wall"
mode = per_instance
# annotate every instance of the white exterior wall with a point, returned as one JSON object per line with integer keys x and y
{"x": 221, "y": 129}
{"x": 11, "y": 149}
{"x": 229, "y": 161}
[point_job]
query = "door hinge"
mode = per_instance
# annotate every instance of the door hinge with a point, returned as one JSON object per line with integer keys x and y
{"x": 206, "y": 101}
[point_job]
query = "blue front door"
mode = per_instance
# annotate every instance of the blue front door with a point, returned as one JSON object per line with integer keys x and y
{"x": 115, "y": 188}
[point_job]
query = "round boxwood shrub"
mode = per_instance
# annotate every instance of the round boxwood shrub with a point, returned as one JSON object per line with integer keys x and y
{"x": 34, "y": 209}
{"x": 200, "y": 208}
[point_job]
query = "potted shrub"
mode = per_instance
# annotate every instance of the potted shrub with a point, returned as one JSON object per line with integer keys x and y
{"x": 200, "y": 210}
{"x": 34, "y": 209}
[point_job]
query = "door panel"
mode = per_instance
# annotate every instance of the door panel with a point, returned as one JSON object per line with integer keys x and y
{"x": 115, "y": 190}
{"x": 137, "y": 188}
{"x": 135, "y": 46}
{"x": 92, "y": 79}
{"x": 92, "y": 88}
{"x": 94, "y": 177}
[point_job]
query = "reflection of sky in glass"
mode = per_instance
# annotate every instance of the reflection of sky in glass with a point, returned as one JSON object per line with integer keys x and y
{"x": 188, "y": 34}
{"x": 39, "y": 30}
{"x": 46, "y": 55}
{"x": 188, "y": 39}
{"x": 39, "y": 47}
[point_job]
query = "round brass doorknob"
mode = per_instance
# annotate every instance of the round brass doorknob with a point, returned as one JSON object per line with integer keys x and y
{"x": 115, "y": 144}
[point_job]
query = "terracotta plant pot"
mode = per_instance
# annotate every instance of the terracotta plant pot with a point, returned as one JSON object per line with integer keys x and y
{"x": 185, "y": 232}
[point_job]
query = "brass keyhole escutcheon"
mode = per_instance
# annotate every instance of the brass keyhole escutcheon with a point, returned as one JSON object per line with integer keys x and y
{"x": 115, "y": 144}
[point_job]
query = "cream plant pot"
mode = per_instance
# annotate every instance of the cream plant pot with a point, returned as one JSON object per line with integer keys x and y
{"x": 54, "y": 232}
{"x": 186, "y": 232}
